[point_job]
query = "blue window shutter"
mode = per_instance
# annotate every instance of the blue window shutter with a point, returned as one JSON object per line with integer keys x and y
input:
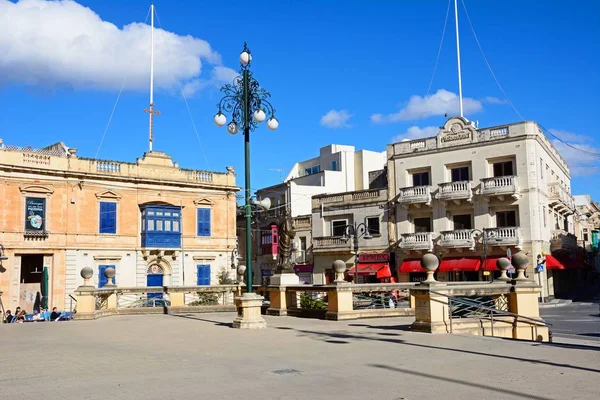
{"x": 203, "y": 275}
{"x": 204, "y": 222}
{"x": 102, "y": 278}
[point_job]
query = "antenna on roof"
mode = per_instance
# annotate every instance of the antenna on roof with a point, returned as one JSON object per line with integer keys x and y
{"x": 280, "y": 170}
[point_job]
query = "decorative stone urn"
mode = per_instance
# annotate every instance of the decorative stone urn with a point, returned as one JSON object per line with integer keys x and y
{"x": 339, "y": 267}
{"x": 430, "y": 263}
{"x": 520, "y": 261}
{"x": 241, "y": 270}
{"x": 110, "y": 273}
{"x": 503, "y": 264}
{"x": 86, "y": 274}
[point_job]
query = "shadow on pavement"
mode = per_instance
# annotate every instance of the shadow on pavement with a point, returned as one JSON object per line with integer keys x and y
{"x": 405, "y": 327}
{"x": 572, "y": 346}
{"x": 191, "y": 316}
{"x": 325, "y": 336}
{"x": 438, "y": 378}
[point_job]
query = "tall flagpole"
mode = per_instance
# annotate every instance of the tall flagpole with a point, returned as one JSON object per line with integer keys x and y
{"x": 151, "y": 109}
{"x": 460, "y": 96}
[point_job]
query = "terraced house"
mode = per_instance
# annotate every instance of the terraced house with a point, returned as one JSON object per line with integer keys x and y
{"x": 472, "y": 195}
{"x": 155, "y": 223}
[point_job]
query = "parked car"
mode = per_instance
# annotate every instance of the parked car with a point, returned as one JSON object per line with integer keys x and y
{"x": 152, "y": 302}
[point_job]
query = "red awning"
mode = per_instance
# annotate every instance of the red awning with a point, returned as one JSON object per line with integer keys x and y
{"x": 490, "y": 264}
{"x": 372, "y": 269}
{"x": 553, "y": 263}
{"x": 460, "y": 264}
{"x": 413, "y": 265}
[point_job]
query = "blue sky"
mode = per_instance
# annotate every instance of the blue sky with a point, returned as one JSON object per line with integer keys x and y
{"x": 63, "y": 64}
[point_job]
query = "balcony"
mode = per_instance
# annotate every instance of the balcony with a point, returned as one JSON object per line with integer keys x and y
{"x": 370, "y": 196}
{"x": 500, "y": 187}
{"x": 563, "y": 240}
{"x": 455, "y": 191}
{"x": 416, "y": 195}
{"x": 504, "y": 237}
{"x": 328, "y": 243}
{"x": 302, "y": 223}
{"x": 560, "y": 199}
{"x": 458, "y": 239}
{"x": 422, "y": 241}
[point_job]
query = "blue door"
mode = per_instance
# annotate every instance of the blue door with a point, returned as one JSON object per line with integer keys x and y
{"x": 154, "y": 280}
{"x": 203, "y": 274}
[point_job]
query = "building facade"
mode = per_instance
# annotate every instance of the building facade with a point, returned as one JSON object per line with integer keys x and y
{"x": 473, "y": 195}
{"x": 367, "y": 256}
{"x": 155, "y": 223}
{"x": 338, "y": 168}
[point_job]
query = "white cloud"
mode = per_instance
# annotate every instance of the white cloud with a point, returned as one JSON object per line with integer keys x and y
{"x": 336, "y": 119}
{"x": 49, "y": 43}
{"x": 493, "y": 100}
{"x": 580, "y": 162}
{"x": 414, "y": 132}
{"x": 439, "y": 103}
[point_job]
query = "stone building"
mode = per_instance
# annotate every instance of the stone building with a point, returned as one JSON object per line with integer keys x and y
{"x": 155, "y": 223}
{"x": 470, "y": 193}
{"x": 367, "y": 256}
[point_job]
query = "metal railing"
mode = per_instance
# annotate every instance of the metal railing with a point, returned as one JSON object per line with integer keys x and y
{"x": 486, "y": 307}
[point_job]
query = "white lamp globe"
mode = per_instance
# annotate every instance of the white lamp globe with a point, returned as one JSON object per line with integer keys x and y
{"x": 272, "y": 123}
{"x": 232, "y": 128}
{"x": 220, "y": 119}
{"x": 259, "y": 115}
{"x": 245, "y": 57}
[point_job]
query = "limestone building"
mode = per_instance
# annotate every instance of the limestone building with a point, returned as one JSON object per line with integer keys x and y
{"x": 470, "y": 195}
{"x": 155, "y": 223}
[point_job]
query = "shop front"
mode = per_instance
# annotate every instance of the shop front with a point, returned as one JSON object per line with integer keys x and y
{"x": 372, "y": 268}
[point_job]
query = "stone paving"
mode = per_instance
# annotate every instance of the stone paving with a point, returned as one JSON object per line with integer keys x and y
{"x": 199, "y": 356}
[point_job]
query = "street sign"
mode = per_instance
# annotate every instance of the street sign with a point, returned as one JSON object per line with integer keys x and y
{"x": 540, "y": 268}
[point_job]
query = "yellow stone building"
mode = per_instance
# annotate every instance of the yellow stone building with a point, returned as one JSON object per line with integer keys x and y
{"x": 155, "y": 223}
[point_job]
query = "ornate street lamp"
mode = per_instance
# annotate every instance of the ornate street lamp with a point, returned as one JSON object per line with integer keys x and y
{"x": 247, "y": 104}
{"x": 355, "y": 231}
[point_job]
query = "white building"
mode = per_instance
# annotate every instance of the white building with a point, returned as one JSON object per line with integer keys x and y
{"x": 506, "y": 183}
{"x": 338, "y": 168}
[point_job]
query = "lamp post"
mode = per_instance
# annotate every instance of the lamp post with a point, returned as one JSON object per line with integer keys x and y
{"x": 248, "y": 105}
{"x": 355, "y": 231}
{"x": 484, "y": 241}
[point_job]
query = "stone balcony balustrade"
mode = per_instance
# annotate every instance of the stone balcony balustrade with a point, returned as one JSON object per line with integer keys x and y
{"x": 560, "y": 199}
{"x": 500, "y": 187}
{"x": 422, "y": 241}
{"x": 330, "y": 243}
{"x": 415, "y": 195}
{"x": 504, "y": 237}
{"x": 458, "y": 239}
{"x": 455, "y": 191}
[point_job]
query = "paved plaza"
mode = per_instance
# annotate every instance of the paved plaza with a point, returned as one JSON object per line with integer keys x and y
{"x": 198, "y": 356}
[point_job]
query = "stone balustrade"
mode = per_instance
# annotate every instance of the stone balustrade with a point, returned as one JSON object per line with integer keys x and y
{"x": 328, "y": 242}
{"x": 357, "y": 197}
{"x": 415, "y": 195}
{"x": 458, "y": 238}
{"x": 455, "y": 191}
{"x": 504, "y": 236}
{"x": 417, "y": 241}
{"x": 500, "y": 186}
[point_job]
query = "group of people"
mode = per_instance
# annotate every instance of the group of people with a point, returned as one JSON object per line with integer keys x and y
{"x": 20, "y": 316}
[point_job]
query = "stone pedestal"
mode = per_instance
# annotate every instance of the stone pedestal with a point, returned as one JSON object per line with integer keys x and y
{"x": 111, "y": 300}
{"x": 340, "y": 303}
{"x": 278, "y": 300}
{"x": 248, "y": 312}
{"x": 524, "y": 300}
{"x": 285, "y": 278}
{"x": 431, "y": 310}
{"x": 86, "y": 302}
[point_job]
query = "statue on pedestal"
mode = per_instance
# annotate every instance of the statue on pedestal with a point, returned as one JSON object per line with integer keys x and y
{"x": 286, "y": 233}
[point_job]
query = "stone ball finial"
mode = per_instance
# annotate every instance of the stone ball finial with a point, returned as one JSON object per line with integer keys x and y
{"x": 339, "y": 266}
{"x": 87, "y": 273}
{"x": 430, "y": 262}
{"x": 503, "y": 264}
{"x": 110, "y": 273}
{"x": 520, "y": 261}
